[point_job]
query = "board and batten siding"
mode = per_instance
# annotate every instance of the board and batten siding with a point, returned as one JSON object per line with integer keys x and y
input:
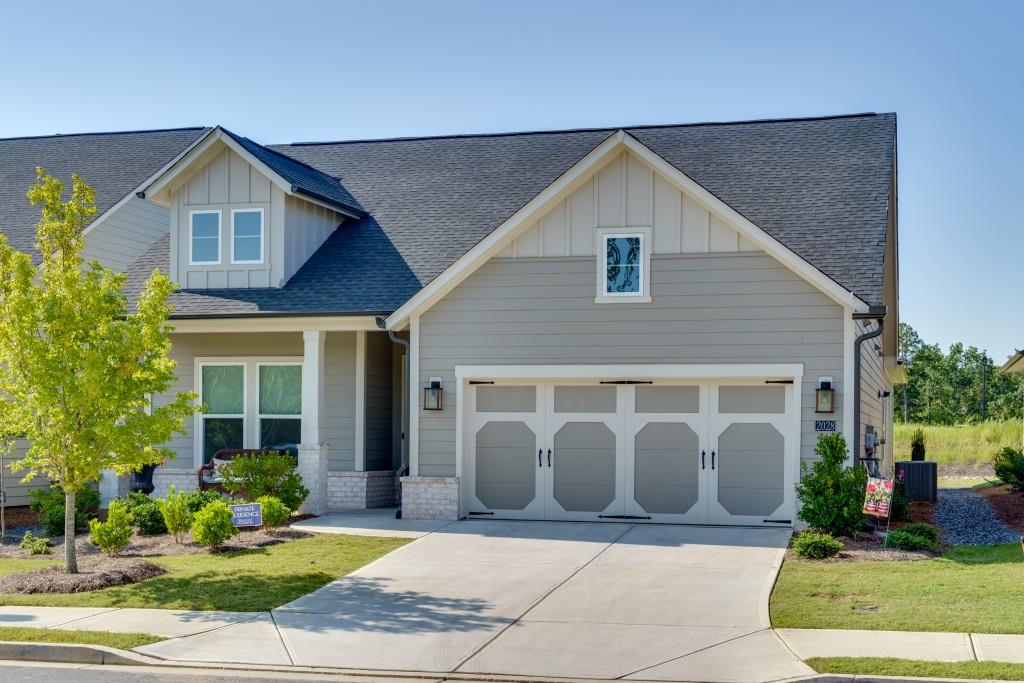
{"x": 339, "y": 392}
{"x": 627, "y": 193}
{"x": 379, "y": 445}
{"x": 126, "y": 234}
{"x": 714, "y": 308}
{"x": 874, "y": 410}
{"x": 307, "y": 226}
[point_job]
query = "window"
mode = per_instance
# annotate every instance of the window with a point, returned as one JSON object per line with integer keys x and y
{"x": 223, "y": 392}
{"x": 204, "y": 238}
{"x": 623, "y": 261}
{"x": 280, "y": 404}
{"x": 250, "y": 403}
{"x": 247, "y": 235}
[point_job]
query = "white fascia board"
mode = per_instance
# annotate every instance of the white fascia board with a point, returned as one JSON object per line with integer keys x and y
{"x": 741, "y": 224}
{"x": 794, "y": 371}
{"x": 145, "y": 183}
{"x": 353, "y": 323}
{"x": 506, "y": 232}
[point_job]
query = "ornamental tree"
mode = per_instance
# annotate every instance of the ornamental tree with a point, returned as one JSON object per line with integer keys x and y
{"x": 77, "y": 364}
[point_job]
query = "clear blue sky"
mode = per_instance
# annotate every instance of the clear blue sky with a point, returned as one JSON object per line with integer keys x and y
{"x": 288, "y": 71}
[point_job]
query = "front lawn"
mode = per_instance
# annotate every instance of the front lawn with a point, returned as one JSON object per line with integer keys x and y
{"x": 970, "y": 589}
{"x": 242, "y": 581}
{"x": 123, "y": 641}
{"x": 881, "y": 666}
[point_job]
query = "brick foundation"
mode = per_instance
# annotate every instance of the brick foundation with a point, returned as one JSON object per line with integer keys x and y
{"x": 360, "y": 490}
{"x": 430, "y": 498}
{"x": 164, "y": 477}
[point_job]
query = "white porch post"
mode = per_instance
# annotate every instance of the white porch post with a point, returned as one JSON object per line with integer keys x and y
{"x": 312, "y": 450}
{"x": 360, "y": 407}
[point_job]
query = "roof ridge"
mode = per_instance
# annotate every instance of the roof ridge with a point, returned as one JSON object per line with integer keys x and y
{"x": 286, "y": 156}
{"x": 455, "y": 136}
{"x": 105, "y": 132}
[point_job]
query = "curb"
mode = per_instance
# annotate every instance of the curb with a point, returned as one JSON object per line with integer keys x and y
{"x": 68, "y": 653}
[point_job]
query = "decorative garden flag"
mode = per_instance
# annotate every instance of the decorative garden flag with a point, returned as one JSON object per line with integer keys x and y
{"x": 878, "y": 497}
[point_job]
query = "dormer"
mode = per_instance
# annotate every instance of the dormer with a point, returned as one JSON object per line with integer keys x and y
{"x": 243, "y": 215}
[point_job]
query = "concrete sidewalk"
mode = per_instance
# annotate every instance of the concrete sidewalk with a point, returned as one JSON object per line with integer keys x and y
{"x": 923, "y": 645}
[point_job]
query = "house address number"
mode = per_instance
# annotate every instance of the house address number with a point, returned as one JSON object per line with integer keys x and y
{"x": 824, "y": 425}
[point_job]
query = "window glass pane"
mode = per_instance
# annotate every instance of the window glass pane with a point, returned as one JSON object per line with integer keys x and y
{"x": 280, "y": 431}
{"x": 220, "y": 432}
{"x": 623, "y": 264}
{"x": 280, "y": 389}
{"x": 247, "y": 244}
{"x": 223, "y": 389}
{"x": 204, "y": 250}
{"x": 247, "y": 223}
{"x": 205, "y": 224}
{"x": 247, "y": 249}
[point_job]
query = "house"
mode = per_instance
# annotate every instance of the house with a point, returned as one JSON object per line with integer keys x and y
{"x": 647, "y": 323}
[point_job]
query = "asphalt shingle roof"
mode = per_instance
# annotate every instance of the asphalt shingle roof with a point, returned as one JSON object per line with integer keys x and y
{"x": 114, "y": 164}
{"x": 820, "y": 186}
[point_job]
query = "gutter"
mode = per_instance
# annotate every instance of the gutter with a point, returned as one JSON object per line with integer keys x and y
{"x": 403, "y": 466}
{"x": 876, "y": 313}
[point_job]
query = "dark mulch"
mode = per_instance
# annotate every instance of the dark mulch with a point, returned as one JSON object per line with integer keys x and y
{"x": 1009, "y": 505}
{"x": 94, "y": 573}
{"x": 20, "y": 516}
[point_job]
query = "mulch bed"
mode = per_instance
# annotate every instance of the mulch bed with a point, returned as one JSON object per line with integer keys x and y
{"x": 162, "y": 544}
{"x": 869, "y": 547}
{"x": 20, "y": 516}
{"x": 95, "y": 573}
{"x": 1009, "y": 505}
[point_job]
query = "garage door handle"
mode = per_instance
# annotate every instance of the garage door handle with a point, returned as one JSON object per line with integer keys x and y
{"x": 549, "y": 457}
{"x": 539, "y": 463}
{"x": 712, "y": 460}
{"x": 702, "y": 463}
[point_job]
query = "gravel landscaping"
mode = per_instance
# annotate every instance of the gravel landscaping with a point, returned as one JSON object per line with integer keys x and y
{"x": 967, "y": 518}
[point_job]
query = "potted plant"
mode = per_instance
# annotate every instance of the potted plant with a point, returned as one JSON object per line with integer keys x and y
{"x": 917, "y": 445}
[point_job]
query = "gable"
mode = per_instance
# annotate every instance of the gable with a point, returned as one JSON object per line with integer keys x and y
{"x": 627, "y": 193}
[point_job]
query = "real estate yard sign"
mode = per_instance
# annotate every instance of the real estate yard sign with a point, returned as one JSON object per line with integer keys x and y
{"x": 878, "y": 497}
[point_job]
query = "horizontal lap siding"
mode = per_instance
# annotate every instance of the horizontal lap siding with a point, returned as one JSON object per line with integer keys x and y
{"x": 872, "y": 406}
{"x": 18, "y": 493}
{"x": 727, "y": 308}
{"x": 126, "y": 234}
{"x": 379, "y": 445}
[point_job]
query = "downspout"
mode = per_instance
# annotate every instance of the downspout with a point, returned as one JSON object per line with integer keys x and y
{"x": 403, "y": 465}
{"x": 876, "y": 313}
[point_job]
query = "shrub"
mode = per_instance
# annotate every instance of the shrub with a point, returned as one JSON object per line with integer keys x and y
{"x": 115, "y": 533}
{"x": 832, "y": 494}
{"x": 212, "y": 525}
{"x": 917, "y": 445}
{"x": 275, "y": 513}
{"x": 35, "y": 545}
{"x": 1009, "y": 466}
{"x": 49, "y": 503}
{"x": 815, "y": 546}
{"x": 904, "y": 540}
{"x": 148, "y": 519}
{"x": 198, "y": 499}
{"x": 176, "y": 513}
{"x": 921, "y": 529}
{"x": 266, "y": 474}
{"x": 900, "y": 504}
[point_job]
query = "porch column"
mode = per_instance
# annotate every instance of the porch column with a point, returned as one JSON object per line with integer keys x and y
{"x": 312, "y": 450}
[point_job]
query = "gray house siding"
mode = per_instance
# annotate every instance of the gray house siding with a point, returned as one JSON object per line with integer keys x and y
{"x": 714, "y": 308}
{"x": 873, "y": 408}
{"x": 126, "y": 234}
{"x": 379, "y": 446}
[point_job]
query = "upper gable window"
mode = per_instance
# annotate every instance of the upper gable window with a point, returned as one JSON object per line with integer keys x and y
{"x": 623, "y": 265}
{"x": 204, "y": 238}
{"x": 247, "y": 235}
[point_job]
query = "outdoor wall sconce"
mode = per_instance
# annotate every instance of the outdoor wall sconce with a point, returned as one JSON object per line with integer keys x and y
{"x": 432, "y": 395}
{"x": 825, "y": 396}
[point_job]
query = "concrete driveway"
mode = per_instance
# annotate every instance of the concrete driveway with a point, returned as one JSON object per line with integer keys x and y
{"x": 536, "y": 599}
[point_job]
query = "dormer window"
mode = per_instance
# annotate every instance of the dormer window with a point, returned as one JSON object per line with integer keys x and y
{"x": 204, "y": 238}
{"x": 247, "y": 236}
{"x": 623, "y": 265}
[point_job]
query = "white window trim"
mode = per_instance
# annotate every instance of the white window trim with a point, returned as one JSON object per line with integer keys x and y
{"x": 263, "y": 231}
{"x": 644, "y": 295}
{"x": 191, "y": 242}
{"x": 250, "y": 387}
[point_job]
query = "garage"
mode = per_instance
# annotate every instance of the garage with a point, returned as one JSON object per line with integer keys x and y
{"x": 655, "y": 447}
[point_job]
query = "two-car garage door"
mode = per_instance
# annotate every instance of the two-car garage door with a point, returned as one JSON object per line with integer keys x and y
{"x": 699, "y": 452}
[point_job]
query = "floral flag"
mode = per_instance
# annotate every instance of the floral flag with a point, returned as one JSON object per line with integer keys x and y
{"x": 878, "y": 497}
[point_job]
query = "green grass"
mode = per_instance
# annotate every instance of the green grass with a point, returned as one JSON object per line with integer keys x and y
{"x": 974, "y": 444}
{"x": 884, "y": 666}
{"x": 967, "y": 482}
{"x": 244, "y": 581}
{"x": 123, "y": 641}
{"x": 971, "y": 589}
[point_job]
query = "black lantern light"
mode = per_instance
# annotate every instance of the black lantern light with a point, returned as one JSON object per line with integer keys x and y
{"x": 825, "y": 397}
{"x": 432, "y": 395}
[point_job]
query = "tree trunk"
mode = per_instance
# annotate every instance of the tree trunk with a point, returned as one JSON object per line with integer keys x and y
{"x": 70, "y": 560}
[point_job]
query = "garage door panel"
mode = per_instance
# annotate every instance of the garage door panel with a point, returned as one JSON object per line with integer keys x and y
{"x": 660, "y": 400}
{"x": 506, "y": 467}
{"x": 751, "y": 469}
{"x": 747, "y": 399}
{"x": 514, "y": 399}
{"x": 586, "y": 399}
{"x": 666, "y": 468}
{"x": 584, "y": 476}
